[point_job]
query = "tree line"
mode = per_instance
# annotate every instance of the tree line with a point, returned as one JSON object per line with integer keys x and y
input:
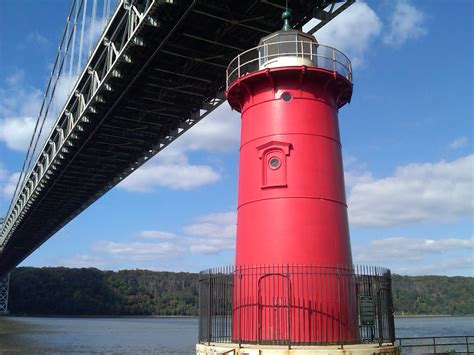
{"x": 89, "y": 291}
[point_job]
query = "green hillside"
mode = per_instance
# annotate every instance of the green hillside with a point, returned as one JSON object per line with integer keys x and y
{"x": 63, "y": 291}
{"x": 433, "y": 295}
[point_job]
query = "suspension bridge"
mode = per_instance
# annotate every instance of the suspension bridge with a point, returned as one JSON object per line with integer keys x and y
{"x": 157, "y": 68}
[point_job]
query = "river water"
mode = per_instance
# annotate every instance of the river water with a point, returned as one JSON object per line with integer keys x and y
{"x": 34, "y": 335}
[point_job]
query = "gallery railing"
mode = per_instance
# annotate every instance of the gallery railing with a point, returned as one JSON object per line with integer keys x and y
{"x": 296, "y": 305}
{"x": 309, "y": 53}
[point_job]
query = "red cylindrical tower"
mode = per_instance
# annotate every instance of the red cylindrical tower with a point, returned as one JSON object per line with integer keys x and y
{"x": 291, "y": 201}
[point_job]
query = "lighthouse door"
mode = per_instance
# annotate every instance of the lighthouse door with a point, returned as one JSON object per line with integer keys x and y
{"x": 273, "y": 308}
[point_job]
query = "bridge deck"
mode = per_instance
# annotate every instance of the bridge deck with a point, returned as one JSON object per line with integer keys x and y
{"x": 158, "y": 69}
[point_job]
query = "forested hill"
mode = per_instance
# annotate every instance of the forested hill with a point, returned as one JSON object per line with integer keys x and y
{"x": 433, "y": 295}
{"x": 63, "y": 291}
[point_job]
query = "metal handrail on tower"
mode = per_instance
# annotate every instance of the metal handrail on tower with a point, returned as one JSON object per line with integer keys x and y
{"x": 314, "y": 54}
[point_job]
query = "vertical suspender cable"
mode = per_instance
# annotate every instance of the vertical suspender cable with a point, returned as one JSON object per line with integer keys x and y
{"x": 58, "y": 75}
{"x": 68, "y": 31}
{"x": 71, "y": 62}
{"x": 23, "y": 173}
{"x": 91, "y": 29}
{"x": 108, "y": 9}
{"x": 81, "y": 40}
{"x": 104, "y": 12}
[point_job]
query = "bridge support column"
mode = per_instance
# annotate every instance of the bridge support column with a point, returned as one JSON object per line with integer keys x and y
{"x": 4, "y": 283}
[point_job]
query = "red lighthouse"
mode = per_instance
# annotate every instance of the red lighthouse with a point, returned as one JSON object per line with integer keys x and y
{"x": 292, "y": 208}
{"x": 291, "y": 204}
{"x": 293, "y": 283}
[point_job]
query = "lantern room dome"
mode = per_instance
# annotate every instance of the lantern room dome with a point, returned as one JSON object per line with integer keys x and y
{"x": 287, "y": 48}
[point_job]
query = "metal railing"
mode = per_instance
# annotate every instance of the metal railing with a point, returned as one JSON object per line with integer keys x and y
{"x": 296, "y": 305}
{"x": 315, "y": 54}
{"x": 436, "y": 345}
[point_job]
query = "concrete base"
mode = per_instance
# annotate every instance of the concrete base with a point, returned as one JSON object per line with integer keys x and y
{"x": 244, "y": 349}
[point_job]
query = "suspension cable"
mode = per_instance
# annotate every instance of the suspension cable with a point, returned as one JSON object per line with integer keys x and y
{"x": 71, "y": 61}
{"x": 23, "y": 173}
{"x": 81, "y": 41}
{"x": 58, "y": 76}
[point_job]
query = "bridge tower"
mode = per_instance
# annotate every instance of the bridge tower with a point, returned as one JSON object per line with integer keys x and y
{"x": 4, "y": 284}
{"x": 294, "y": 283}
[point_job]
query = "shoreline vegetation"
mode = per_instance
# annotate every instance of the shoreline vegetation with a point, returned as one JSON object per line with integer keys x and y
{"x": 89, "y": 292}
{"x": 183, "y": 316}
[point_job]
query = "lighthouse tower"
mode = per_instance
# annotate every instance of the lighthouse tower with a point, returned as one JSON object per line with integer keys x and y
{"x": 293, "y": 282}
{"x": 291, "y": 202}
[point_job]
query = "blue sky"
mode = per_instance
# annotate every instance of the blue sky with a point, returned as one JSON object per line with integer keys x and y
{"x": 407, "y": 141}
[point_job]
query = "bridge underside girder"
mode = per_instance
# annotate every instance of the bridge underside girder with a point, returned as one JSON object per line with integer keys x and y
{"x": 169, "y": 79}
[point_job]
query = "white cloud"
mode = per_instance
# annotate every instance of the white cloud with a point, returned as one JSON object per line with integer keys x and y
{"x": 355, "y": 172}
{"x": 37, "y": 38}
{"x": 216, "y": 225}
{"x": 137, "y": 251}
{"x": 15, "y": 78}
{"x": 20, "y": 107}
{"x": 220, "y": 131}
{"x": 213, "y": 233}
{"x": 210, "y": 234}
{"x": 8, "y": 188}
{"x": 351, "y": 32}
{"x": 84, "y": 261}
{"x": 7, "y": 183}
{"x": 153, "y": 234}
{"x": 16, "y": 132}
{"x": 451, "y": 266}
{"x": 416, "y": 193}
{"x": 458, "y": 143}
{"x": 419, "y": 256}
{"x": 408, "y": 249}
{"x": 178, "y": 175}
{"x": 407, "y": 22}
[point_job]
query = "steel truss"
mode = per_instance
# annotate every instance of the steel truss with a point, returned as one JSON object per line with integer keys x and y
{"x": 4, "y": 283}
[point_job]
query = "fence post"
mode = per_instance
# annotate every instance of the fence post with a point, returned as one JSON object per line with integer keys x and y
{"x": 467, "y": 345}
{"x": 209, "y": 313}
{"x": 434, "y": 345}
{"x": 339, "y": 313}
{"x": 200, "y": 308}
{"x": 240, "y": 306}
{"x": 288, "y": 322}
{"x": 379, "y": 316}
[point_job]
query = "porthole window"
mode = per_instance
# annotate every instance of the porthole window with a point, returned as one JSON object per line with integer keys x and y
{"x": 286, "y": 96}
{"x": 274, "y": 163}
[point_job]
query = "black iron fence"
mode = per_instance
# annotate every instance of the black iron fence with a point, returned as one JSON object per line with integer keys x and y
{"x": 296, "y": 305}
{"x": 436, "y": 345}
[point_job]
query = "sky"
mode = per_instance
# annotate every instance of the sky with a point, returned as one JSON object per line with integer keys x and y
{"x": 407, "y": 139}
